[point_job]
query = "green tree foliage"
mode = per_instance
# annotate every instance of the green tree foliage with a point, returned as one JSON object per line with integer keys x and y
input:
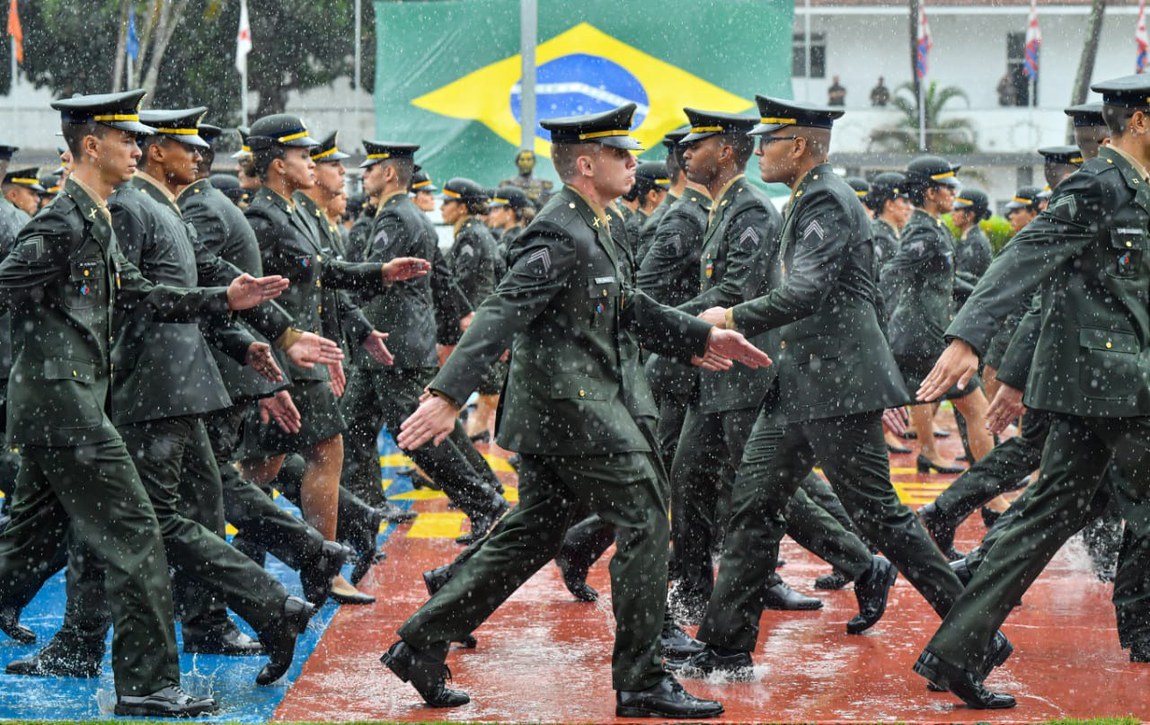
{"x": 952, "y": 136}
{"x": 70, "y": 47}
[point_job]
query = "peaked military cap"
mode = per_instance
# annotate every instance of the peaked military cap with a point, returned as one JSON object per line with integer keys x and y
{"x": 328, "y": 150}
{"x": 230, "y": 187}
{"x": 420, "y": 181}
{"x": 975, "y": 200}
{"x": 7, "y": 152}
{"x": 1046, "y": 193}
{"x": 776, "y": 113}
{"x": 609, "y": 128}
{"x": 25, "y": 177}
{"x": 50, "y": 182}
{"x": 279, "y": 129}
{"x": 210, "y": 133}
{"x": 464, "y": 190}
{"x": 888, "y": 185}
{"x": 931, "y": 171}
{"x": 1132, "y": 91}
{"x": 1024, "y": 197}
{"x": 704, "y": 124}
{"x": 1086, "y": 114}
{"x": 381, "y": 150}
{"x": 510, "y": 196}
{"x": 245, "y": 150}
{"x": 861, "y": 187}
{"x": 674, "y": 138}
{"x": 654, "y": 173}
{"x": 181, "y": 125}
{"x": 115, "y": 110}
{"x": 1062, "y": 155}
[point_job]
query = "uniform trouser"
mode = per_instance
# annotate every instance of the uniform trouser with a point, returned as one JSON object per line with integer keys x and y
{"x": 1000, "y": 471}
{"x": 673, "y": 402}
{"x": 778, "y": 456}
{"x": 624, "y": 489}
{"x": 94, "y": 492}
{"x": 175, "y": 459}
{"x": 1077, "y": 453}
{"x": 711, "y": 445}
{"x": 396, "y": 397}
{"x": 259, "y": 521}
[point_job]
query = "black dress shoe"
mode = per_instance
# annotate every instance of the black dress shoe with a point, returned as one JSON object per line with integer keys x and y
{"x": 427, "y": 673}
{"x": 393, "y": 514}
{"x": 316, "y": 577}
{"x": 575, "y": 579}
{"x": 989, "y": 516}
{"x": 832, "y": 582}
{"x": 898, "y": 450}
{"x": 418, "y": 478}
{"x": 168, "y": 702}
{"x": 962, "y": 570}
{"x": 482, "y": 523}
{"x": 1140, "y": 652}
{"x": 356, "y": 598}
{"x": 231, "y": 642}
{"x": 942, "y": 434}
{"x": 783, "y": 598}
{"x": 871, "y": 591}
{"x": 51, "y": 663}
{"x": 10, "y": 625}
{"x": 940, "y": 528}
{"x": 666, "y": 699}
{"x": 1000, "y": 651}
{"x": 965, "y": 685}
{"x": 364, "y": 561}
{"x": 434, "y": 579}
{"x": 734, "y": 666}
{"x": 925, "y": 465}
{"x": 279, "y": 639}
{"x": 675, "y": 644}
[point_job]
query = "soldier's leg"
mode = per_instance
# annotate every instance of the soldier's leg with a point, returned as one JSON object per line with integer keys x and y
{"x": 776, "y": 458}
{"x": 361, "y": 410}
{"x": 97, "y": 489}
{"x": 853, "y": 455}
{"x": 814, "y": 529}
{"x": 824, "y": 496}
{"x": 158, "y": 448}
{"x": 1055, "y": 508}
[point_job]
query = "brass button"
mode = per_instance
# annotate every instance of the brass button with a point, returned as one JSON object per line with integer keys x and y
{"x": 582, "y": 393}
{"x": 1109, "y": 344}
{"x": 783, "y": 345}
{"x": 88, "y": 273}
{"x": 319, "y": 309}
{"x": 1128, "y": 244}
{"x": 318, "y": 283}
{"x": 604, "y": 293}
{"x": 75, "y": 374}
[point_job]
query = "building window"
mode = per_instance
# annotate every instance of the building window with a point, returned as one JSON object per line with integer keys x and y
{"x": 1014, "y": 89}
{"x": 818, "y": 56}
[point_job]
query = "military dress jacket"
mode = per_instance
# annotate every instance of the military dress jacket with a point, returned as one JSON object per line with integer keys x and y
{"x": 359, "y": 237}
{"x": 419, "y": 312}
{"x": 163, "y": 369}
{"x": 831, "y": 356}
{"x": 473, "y": 260}
{"x": 575, "y": 386}
{"x": 669, "y": 273}
{"x": 62, "y": 282}
{"x": 221, "y": 227}
{"x": 650, "y": 227}
{"x": 738, "y": 248}
{"x": 12, "y": 220}
{"x": 290, "y": 246}
{"x": 922, "y": 277}
{"x": 972, "y": 255}
{"x": 1089, "y": 253}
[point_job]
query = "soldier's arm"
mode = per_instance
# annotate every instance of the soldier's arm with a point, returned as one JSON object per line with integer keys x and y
{"x": 1014, "y": 369}
{"x": 664, "y": 330}
{"x": 672, "y": 247}
{"x": 749, "y": 237}
{"x": 539, "y": 272}
{"x": 39, "y": 256}
{"x": 170, "y": 304}
{"x": 451, "y": 305}
{"x": 356, "y": 324}
{"x": 1062, "y": 231}
{"x": 465, "y": 265}
{"x": 133, "y": 234}
{"x": 824, "y": 229}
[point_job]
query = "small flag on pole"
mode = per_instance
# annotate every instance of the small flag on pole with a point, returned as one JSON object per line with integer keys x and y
{"x": 243, "y": 39}
{"x": 1033, "y": 42}
{"x": 16, "y": 31}
{"x": 922, "y": 49}
{"x": 133, "y": 45}
{"x": 1141, "y": 39}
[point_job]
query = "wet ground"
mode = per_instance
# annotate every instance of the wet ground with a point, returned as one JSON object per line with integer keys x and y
{"x": 545, "y": 657}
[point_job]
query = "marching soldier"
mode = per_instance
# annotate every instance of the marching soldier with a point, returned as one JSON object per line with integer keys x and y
{"x": 972, "y": 251}
{"x": 22, "y": 188}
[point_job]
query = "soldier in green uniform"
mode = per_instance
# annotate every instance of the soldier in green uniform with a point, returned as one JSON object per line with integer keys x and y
{"x": 577, "y": 410}
{"x": 423, "y": 190}
{"x": 922, "y": 275}
{"x": 418, "y": 313}
{"x": 509, "y": 214}
{"x": 1088, "y": 254}
{"x": 651, "y": 186}
{"x": 835, "y": 377}
{"x": 537, "y": 190}
{"x": 972, "y": 251}
{"x": 61, "y": 283}
{"x": 22, "y": 189}
{"x": 891, "y": 209}
{"x": 677, "y": 182}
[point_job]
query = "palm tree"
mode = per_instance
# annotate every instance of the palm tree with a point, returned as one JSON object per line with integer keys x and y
{"x": 952, "y": 136}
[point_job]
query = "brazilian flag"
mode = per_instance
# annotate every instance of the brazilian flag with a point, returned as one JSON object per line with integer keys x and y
{"x": 448, "y": 71}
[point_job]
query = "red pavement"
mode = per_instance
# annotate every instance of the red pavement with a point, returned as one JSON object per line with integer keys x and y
{"x": 545, "y": 657}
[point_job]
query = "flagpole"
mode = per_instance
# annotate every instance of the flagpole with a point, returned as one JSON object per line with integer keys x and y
{"x": 244, "y": 93}
{"x": 528, "y": 36}
{"x": 922, "y": 114}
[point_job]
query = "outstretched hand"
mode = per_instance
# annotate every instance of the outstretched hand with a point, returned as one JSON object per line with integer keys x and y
{"x": 311, "y": 350}
{"x": 433, "y": 420}
{"x": 260, "y": 359}
{"x": 732, "y": 345}
{"x": 1006, "y": 406}
{"x": 374, "y": 345}
{"x": 405, "y": 268}
{"x": 957, "y": 364}
{"x": 281, "y": 409}
{"x": 246, "y": 291}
